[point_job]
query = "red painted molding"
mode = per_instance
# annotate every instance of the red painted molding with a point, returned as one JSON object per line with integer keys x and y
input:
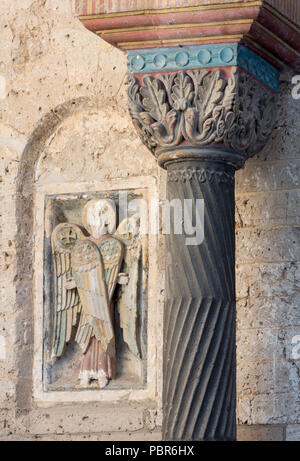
{"x": 254, "y": 23}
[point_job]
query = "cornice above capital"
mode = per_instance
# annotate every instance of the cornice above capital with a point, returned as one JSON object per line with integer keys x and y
{"x": 269, "y": 27}
{"x": 181, "y": 114}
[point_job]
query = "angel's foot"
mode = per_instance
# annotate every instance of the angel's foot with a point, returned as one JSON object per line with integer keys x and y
{"x": 102, "y": 379}
{"x": 84, "y": 378}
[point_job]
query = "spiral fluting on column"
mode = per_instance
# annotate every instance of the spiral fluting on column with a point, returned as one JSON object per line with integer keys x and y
{"x": 199, "y": 394}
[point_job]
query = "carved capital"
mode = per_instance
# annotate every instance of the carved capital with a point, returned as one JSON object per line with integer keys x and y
{"x": 183, "y": 114}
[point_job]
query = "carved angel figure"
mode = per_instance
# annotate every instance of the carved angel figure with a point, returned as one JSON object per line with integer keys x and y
{"x": 87, "y": 270}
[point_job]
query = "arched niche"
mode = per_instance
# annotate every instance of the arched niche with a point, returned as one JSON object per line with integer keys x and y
{"x": 78, "y": 149}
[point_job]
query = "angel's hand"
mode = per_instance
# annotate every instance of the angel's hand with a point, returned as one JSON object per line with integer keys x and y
{"x": 123, "y": 278}
{"x": 70, "y": 284}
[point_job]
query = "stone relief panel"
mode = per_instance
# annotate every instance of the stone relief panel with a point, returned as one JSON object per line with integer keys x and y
{"x": 79, "y": 164}
{"x": 95, "y": 292}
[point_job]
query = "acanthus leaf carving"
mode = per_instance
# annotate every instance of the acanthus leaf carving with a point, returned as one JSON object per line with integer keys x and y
{"x": 202, "y": 108}
{"x": 182, "y": 92}
{"x": 210, "y": 95}
{"x": 154, "y": 99}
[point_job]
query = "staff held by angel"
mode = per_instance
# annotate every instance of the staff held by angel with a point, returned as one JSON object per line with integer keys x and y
{"x": 86, "y": 273}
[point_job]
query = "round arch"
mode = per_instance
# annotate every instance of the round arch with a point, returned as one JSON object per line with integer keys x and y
{"x": 25, "y": 240}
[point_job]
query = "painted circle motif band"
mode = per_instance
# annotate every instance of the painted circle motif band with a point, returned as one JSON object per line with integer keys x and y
{"x": 144, "y": 61}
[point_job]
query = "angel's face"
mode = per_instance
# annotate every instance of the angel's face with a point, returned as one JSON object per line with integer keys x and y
{"x": 99, "y": 217}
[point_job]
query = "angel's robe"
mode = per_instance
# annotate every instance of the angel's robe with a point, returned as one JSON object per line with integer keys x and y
{"x": 95, "y": 359}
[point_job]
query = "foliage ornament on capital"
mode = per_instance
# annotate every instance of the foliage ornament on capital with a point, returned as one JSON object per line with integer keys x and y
{"x": 200, "y": 109}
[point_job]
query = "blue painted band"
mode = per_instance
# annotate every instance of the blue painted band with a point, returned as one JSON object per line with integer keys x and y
{"x": 152, "y": 60}
{"x": 258, "y": 67}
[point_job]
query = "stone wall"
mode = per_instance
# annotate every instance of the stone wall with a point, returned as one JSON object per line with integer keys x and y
{"x": 63, "y": 118}
{"x": 267, "y": 219}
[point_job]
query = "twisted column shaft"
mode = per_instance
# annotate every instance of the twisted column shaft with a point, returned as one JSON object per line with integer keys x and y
{"x": 199, "y": 393}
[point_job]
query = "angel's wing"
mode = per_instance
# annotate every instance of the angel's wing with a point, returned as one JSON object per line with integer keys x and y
{"x": 67, "y": 302}
{"x": 112, "y": 251}
{"x": 88, "y": 271}
{"x": 128, "y": 231}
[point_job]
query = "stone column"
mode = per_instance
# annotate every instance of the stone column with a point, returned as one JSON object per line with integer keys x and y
{"x": 201, "y": 125}
{"x": 199, "y": 323}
